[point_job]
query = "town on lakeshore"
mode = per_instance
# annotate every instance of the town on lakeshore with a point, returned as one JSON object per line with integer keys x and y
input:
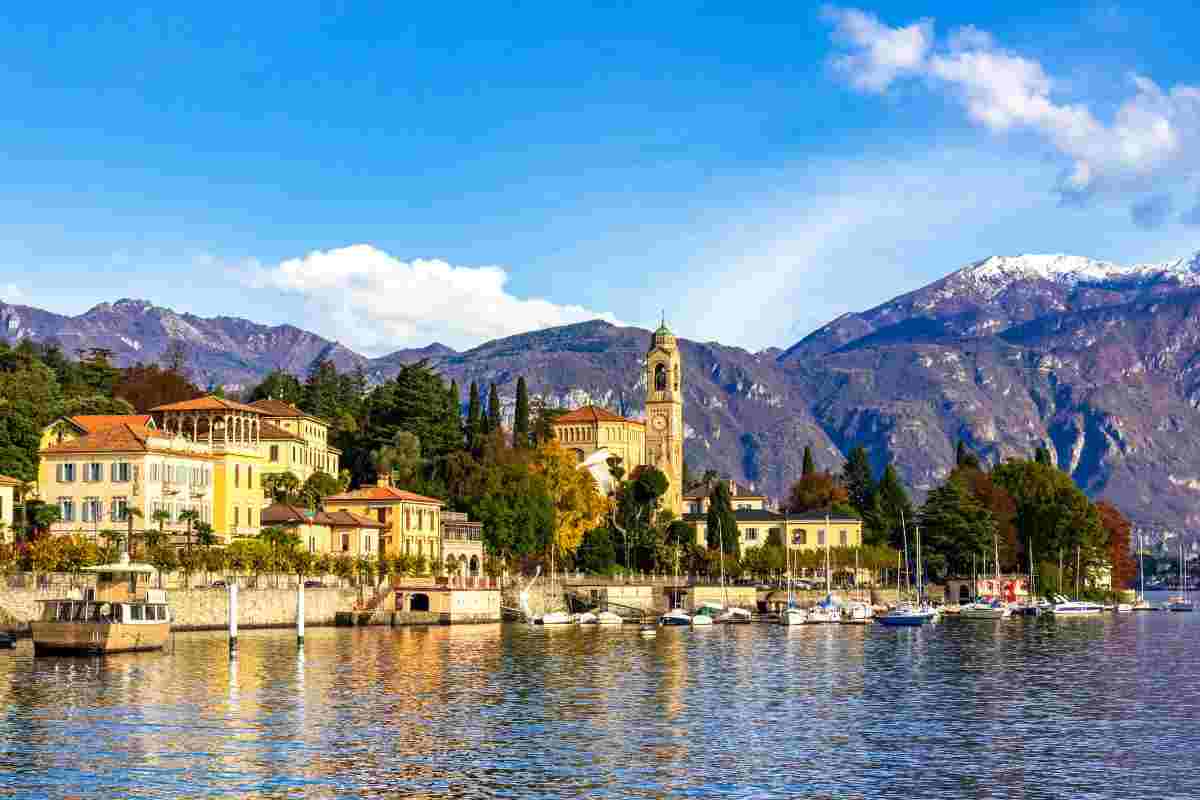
{"x": 132, "y": 502}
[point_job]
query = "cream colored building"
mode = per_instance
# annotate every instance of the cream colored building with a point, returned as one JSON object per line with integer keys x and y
{"x": 296, "y": 442}
{"x": 325, "y": 532}
{"x": 658, "y": 441}
{"x": 8, "y": 499}
{"x": 64, "y": 429}
{"x": 462, "y": 544}
{"x": 808, "y": 531}
{"x": 96, "y": 478}
{"x": 743, "y": 499}
{"x": 412, "y": 522}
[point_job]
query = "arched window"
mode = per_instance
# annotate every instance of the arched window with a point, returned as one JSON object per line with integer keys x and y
{"x": 660, "y": 378}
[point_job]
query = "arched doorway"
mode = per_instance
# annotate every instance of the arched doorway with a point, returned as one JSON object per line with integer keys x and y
{"x": 964, "y": 596}
{"x": 474, "y": 568}
{"x": 419, "y": 602}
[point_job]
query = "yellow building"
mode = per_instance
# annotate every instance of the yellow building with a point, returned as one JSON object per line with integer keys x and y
{"x": 327, "y": 532}
{"x": 295, "y": 442}
{"x": 8, "y": 498}
{"x": 95, "y": 478}
{"x": 743, "y": 499}
{"x": 657, "y": 442}
{"x": 412, "y": 522}
{"x": 808, "y": 531}
{"x": 231, "y": 432}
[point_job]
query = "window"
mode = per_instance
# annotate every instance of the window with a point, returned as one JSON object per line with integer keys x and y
{"x": 844, "y": 539}
{"x": 121, "y": 471}
{"x": 120, "y": 509}
{"x": 800, "y": 537}
{"x": 743, "y": 507}
{"x": 366, "y": 544}
{"x": 93, "y": 511}
{"x": 821, "y": 537}
{"x": 135, "y": 613}
{"x": 93, "y": 472}
{"x": 312, "y": 544}
{"x": 66, "y": 509}
{"x": 65, "y": 473}
{"x": 274, "y": 453}
{"x": 237, "y": 475}
{"x": 751, "y": 534}
{"x": 153, "y": 472}
{"x": 696, "y": 508}
{"x": 660, "y": 378}
{"x": 249, "y": 477}
{"x": 345, "y": 542}
{"x": 237, "y": 515}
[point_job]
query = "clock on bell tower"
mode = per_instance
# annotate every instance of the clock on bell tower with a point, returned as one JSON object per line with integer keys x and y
{"x": 664, "y": 414}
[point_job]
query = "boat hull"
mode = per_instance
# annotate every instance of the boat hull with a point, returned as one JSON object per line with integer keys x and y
{"x": 792, "y": 617}
{"x": 903, "y": 621}
{"x": 97, "y": 638}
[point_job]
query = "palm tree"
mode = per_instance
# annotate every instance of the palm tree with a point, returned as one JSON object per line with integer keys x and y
{"x": 131, "y": 512}
{"x": 281, "y": 541}
{"x": 190, "y": 516}
{"x": 161, "y": 516}
{"x": 205, "y": 537}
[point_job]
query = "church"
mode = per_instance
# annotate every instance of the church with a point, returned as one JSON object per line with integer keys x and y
{"x": 595, "y": 433}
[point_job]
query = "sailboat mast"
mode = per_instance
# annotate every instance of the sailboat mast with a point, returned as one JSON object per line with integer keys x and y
{"x": 1141, "y": 573}
{"x": 904, "y": 541}
{"x": 828, "y": 578}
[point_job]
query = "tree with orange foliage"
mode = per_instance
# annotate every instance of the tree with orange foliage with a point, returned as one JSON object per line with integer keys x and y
{"x": 816, "y": 491}
{"x": 1120, "y": 555}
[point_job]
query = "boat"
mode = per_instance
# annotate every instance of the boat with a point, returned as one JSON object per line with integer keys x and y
{"x": 733, "y": 616}
{"x": 676, "y": 616}
{"x": 906, "y": 615}
{"x": 857, "y": 613}
{"x": 1064, "y": 607}
{"x": 586, "y": 618}
{"x": 647, "y": 631}
{"x": 8, "y": 639}
{"x": 1141, "y": 604}
{"x": 554, "y": 618}
{"x": 701, "y": 620}
{"x": 827, "y": 610}
{"x": 1124, "y": 608}
{"x": 1181, "y": 602}
{"x": 793, "y": 616}
{"x": 988, "y": 609}
{"x": 122, "y": 614}
{"x": 609, "y": 618}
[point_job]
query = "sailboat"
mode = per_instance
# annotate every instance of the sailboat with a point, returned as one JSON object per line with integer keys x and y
{"x": 996, "y": 608}
{"x": 791, "y": 614}
{"x": 556, "y": 616}
{"x": 1065, "y": 607}
{"x": 905, "y": 614}
{"x": 827, "y": 609}
{"x": 676, "y": 616}
{"x": 1140, "y": 603}
{"x": 1181, "y": 602}
{"x": 857, "y": 612}
{"x": 728, "y": 615}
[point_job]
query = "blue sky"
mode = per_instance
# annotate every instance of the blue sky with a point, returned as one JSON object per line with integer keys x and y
{"x": 390, "y": 174}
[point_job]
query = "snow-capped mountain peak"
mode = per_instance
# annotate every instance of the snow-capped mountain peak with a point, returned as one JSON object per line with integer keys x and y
{"x": 1073, "y": 270}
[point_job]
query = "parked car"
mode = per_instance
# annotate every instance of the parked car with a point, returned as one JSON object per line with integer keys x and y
{"x": 217, "y": 585}
{"x": 313, "y": 585}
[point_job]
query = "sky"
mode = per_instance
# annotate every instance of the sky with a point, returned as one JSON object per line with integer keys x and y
{"x": 388, "y": 175}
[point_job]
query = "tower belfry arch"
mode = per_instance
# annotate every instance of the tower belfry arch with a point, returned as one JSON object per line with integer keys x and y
{"x": 664, "y": 412}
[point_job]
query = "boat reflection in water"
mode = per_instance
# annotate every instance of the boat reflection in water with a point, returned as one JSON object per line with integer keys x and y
{"x": 121, "y": 615}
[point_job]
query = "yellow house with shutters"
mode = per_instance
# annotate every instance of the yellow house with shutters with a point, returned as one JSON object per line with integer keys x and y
{"x": 294, "y": 441}
{"x": 412, "y": 522}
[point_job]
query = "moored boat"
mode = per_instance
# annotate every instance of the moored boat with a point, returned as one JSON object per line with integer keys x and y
{"x": 986, "y": 610}
{"x": 857, "y": 613}
{"x": 906, "y": 615}
{"x": 701, "y": 620}
{"x": 121, "y": 615}
{"x": 609, "y": 618}
{"x": 733, "y": 616}
{"x": 553, "y": 618}
{"x": 587, "y": 618}
{"x": 792, "y": 616}
{"x": 676, "y": 616}
{"x": 1064, "y": 607}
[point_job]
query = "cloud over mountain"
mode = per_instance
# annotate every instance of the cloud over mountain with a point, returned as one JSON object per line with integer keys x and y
{"x": 378, "y": 302}
{"x": 1153, "y": 136}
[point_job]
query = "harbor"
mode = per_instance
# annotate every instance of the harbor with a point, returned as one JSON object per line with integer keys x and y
{"x": 525, "y": 711}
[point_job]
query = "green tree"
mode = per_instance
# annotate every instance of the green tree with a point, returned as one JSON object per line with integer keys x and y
{"x": 191, "y": 517}
{"x": 816, "y": 491}
{"x": 722, "y": 529}
{"x": 521, "y": 429}
{"x": 808, "y": 467}
{"x": 278, "y": 385}
{"x": 281, "y": 487}
{"x": 494, "y": 410}
{"x": 317, "y": 487}
{"x": 954, "y": 527}
{"x": 1042, "y": 456}
{"x": 163, "y": 559}
{"x": 858, "y": 481}
{"x": 895, "y": 507}
{"x": 401, "y": 459}
{"x": 474, "y": 420}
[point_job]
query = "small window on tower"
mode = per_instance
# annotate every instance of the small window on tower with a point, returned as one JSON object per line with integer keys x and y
{"x": 660, "y": 378}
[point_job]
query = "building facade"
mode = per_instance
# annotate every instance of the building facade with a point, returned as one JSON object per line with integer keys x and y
{"x": 94, "y": 480}
{"x": 808, "y": 531}
{"x": 743, "y": 499}
{"x": 664, "y": 414}
{"x": 295, "y": 442}
{"x": 589, "y": 429}
{"x": 66, "y": 428}
{"x": 8, "y": 500}
{"x": 412, "y": 522}
{"x": 340, "y": 533}
{"x": 462, "y": 544}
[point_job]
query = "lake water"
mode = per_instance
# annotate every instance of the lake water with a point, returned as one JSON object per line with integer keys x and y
{"x": 1101, "y": 707}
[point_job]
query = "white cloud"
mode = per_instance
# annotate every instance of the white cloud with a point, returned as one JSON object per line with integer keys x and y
{"x": 11, "y": 293}
{"x": 377, "y": 303}
{"x": 1153, "y": 136}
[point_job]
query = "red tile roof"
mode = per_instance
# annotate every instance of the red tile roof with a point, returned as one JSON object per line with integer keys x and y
{"x": 347, "y": 519}
{"x": 268, "y": 431}
{"x": 278, "y": 408}
{"x": 591, "y": 414}
{"x": 90, "y": 423}
{"x": 209, "y": 403}
{"x": 285, "y": 513}
{"x": 7, "y": 481}
{"x": 117, "y": 439}
{"x": 378, "y": 494}
{"x": 288, "y": 514}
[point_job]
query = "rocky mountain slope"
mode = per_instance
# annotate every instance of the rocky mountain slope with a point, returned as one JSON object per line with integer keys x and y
{"x": 1099, "y": 361}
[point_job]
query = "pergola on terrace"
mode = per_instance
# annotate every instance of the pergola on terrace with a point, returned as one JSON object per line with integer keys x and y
{"x": 211, "y": 419}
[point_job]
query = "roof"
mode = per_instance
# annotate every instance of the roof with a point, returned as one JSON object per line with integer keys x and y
{"x": 209, "y": 403}
{"x": 268, "y": 431}
{"x": 738, "y": 491}
{"x": 116, "y": 439}
{"x": 278, "y": 408}
{"x": 377, "y": 494}
{"x": 347, "y": 519}
{"x": 289, "y": 514}
{"x": 591, "y": 414}
{"x": 90, "y": 423}
{"x": 7, "y": 481}
{"x": 285, "y": 513}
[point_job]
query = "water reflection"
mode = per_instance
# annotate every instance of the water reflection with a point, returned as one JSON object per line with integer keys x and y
{"x": 1100, "y": 707}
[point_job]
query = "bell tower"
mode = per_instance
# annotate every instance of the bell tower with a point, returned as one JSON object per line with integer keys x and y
{"x": 664, "y": 414}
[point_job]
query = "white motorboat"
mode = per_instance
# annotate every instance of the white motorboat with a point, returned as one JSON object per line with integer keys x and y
{"x": 857, "y": 613}
{"x": 701, "y": 620}
{"x": 1124, "y": 608}
{"x": 676, "y": 616}
{"x": 907, "y": 615}
{"x": 648, "y": 631}
{"x": 608, "y": 618}
{"x": 553, "y": 618}
{"x": 1064, "y": 607}
{"x": 792, "y": 616}
{"x": 822, "y": 615}
{"x": 586, "y": 618}
{"x": 986, "y": 610}
{"x": 733, "y": 616}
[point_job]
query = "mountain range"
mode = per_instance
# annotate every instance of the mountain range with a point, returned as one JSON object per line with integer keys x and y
{"x": 1098, "y": 361}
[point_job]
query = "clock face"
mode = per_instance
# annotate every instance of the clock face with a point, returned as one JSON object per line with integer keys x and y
{"x": 659, "y": 423}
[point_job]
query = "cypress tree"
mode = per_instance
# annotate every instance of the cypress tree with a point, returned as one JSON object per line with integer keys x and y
{"x": 960, "y": 453}
{"x": 809, "y": 468}
{"x": 493, "y": 411}
{"x": 721, "y": 528}
{"x": 474, "y": 419}
{"x": 454, "y": 410}
{"x": 1042, "y": 456}
{"x": 856, "y": 476}
{"x": 521, "y": 419}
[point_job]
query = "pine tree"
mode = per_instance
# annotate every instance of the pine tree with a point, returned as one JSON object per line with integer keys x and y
{"x": 1042, "y": 456}
{"x": 856, "y": 476}
{"x": 722, "y": 529}
{"x": 454, "y": 412}
{"x": 809, "y": 468}
{"x": 960, "y": 453}
{"x": 895, "y": 504}
{"x": 521, "y": 419}
{"x": 474, "y": 419}
{"x": 493, "y": 411}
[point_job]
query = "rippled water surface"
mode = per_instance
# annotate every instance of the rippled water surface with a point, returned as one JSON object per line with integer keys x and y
{"x": 1101, "y": 707}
